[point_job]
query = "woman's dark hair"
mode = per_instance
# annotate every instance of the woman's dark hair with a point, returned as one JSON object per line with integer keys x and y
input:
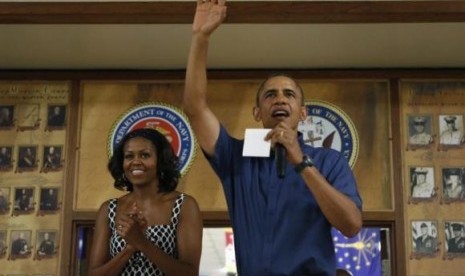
{"x": 167, "y": 161}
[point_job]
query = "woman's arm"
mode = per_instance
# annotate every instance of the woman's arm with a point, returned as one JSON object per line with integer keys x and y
{"x": 100, "y": 262}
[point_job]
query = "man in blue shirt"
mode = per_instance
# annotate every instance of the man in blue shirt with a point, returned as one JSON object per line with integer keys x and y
{"x": 282, "y": 225}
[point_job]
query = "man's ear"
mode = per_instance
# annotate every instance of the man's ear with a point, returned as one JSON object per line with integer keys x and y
{"x": 303, "y": 113}
{"x": 256, "y": 113}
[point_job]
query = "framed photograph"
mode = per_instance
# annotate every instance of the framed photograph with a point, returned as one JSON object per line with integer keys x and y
{"x": 4, "y": 200}
{"x": 6, "y": 161}
{"x": 422, "y": 186}
{"x": 24, "y": 200}
{"x": 27, "y": 158}
{"x": 52, "y": 158}
{"x": 3, "y": 244}
{"x": 453, "y": 184}
{"x": 424, "y": 239}
{"x": 451, "y": 130}
{"x": 6, "y": 116}
{"x": 420, "y": 130}
{"x": 455, "y": 239}
{"x": 49, "y": 200}
{"x": 20, "y": 244}
{"x": 46, "y": 244}
{"x": 56, "y": 117}
{"x": 28, "y": 117}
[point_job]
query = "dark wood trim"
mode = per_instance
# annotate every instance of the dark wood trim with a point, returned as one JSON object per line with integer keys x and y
{"x": 268, "y": 12}
{"x": 221, "y": 218}
{"x": 233, "y": 74}
{"x": 396, "y": 162}
{"x": 68, "y": 189}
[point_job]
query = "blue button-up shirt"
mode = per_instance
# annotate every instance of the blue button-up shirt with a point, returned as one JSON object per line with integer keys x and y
{"x": 278, "y": 226}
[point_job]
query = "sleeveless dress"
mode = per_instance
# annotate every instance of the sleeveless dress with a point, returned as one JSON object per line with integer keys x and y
{"x": 163, "y": 236}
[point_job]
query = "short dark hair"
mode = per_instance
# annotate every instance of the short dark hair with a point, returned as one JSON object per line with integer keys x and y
{"x": 167, "y": 161}
{"x": 273, "y": 75}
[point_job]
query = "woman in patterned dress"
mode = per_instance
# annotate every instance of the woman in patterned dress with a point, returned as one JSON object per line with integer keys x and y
{"x": 153, "y": 229}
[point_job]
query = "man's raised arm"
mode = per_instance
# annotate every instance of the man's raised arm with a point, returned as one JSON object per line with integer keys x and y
{"x": 208, "y": 16}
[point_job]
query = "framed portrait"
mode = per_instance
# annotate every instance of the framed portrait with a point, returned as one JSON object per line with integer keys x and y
{"x": 7, "y": 116}
{"x": 422, "y": 186}
{"x": 420, "y": 130}
{"x": 20, "y": 244}
{"x": 27, "y": 158}
{"x": 28, "y": 116}
{"x": 4, "y": 200}
{"x": 6, "y": 157}
{"x": 424, "y": 239}
{"x": 46, "y": 244}
{"x": 52, "y": 158}
{"x": 455, "y": 239}
{"x": 3, "y": 244}
{"x": 453, "y": 186}
{"x": 56, "y": 117}
{"x": 451, "y": 130}
{"x": 49, "y": 200}
{"x": 24, "y": 200}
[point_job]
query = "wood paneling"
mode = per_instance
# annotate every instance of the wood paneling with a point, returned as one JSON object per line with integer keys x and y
{"x": 276, "y": 12}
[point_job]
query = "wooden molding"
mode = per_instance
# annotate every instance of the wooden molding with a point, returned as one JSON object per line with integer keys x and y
{"x": 254, "y": 12}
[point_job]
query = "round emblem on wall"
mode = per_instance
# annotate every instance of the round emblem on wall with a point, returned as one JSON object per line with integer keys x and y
{"x": 329, "y": 126}
{"x": 167, "y": 119}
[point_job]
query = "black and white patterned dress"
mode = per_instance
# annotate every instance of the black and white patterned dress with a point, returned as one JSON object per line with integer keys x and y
{"x": 163, "y": 236}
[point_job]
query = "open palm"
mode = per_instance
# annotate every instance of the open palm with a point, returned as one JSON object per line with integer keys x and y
{"x": 208, "y": 15}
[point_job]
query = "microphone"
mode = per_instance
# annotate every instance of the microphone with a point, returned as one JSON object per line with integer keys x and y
{"x": 280, "y": 157}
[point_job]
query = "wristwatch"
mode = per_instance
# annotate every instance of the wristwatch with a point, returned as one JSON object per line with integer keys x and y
{"x": 306, "y": 162}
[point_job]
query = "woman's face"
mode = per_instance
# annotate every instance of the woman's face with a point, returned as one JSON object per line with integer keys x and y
{"x": 140, "y": 161}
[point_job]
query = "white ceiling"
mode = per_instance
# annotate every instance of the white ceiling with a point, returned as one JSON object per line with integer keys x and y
{"x": 238, "y": 46}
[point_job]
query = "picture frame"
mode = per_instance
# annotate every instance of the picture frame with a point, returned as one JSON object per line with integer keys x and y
{"x": 422, "y": 186}
{"x": 454, "y": 245}
{"x": 3, "y": 244}
{"x": 451, "y": 130}
{"x": 23, "y": 201}
{"x": 52, "y": 158}
{"x": 6, "y": 158}
{"x": 46, "y": 244}
{"x": 7, "y": 120}
{"x": 27, "y": 158}
{"x": 20, "y": 244}
{"x": 49, "y": 200}
{"x": 5, "y": 202}
{"x": 56, "y": 117}
{"x": 453, "y": 184}
{"x": 420, "y": 131}
{"x": 424, "y": 236}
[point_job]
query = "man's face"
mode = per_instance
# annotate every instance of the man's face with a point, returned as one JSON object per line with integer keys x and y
{"x": 280, "y": 100}
{"x": 450, "y": 125}
{"x": 424, "y": 230}
{"x": 454, "y": 178}
{"x": 421, "y": 178}
{"x": 419, "y": 127}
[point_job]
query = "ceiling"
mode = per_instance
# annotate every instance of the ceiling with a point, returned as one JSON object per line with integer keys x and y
{"x": 240, "y": 45}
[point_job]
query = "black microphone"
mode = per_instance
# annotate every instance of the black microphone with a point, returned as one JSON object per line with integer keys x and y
{"x": 280, "y": 156}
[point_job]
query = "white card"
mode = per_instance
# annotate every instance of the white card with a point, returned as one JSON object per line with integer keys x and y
{"x": 255, "y": 144}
